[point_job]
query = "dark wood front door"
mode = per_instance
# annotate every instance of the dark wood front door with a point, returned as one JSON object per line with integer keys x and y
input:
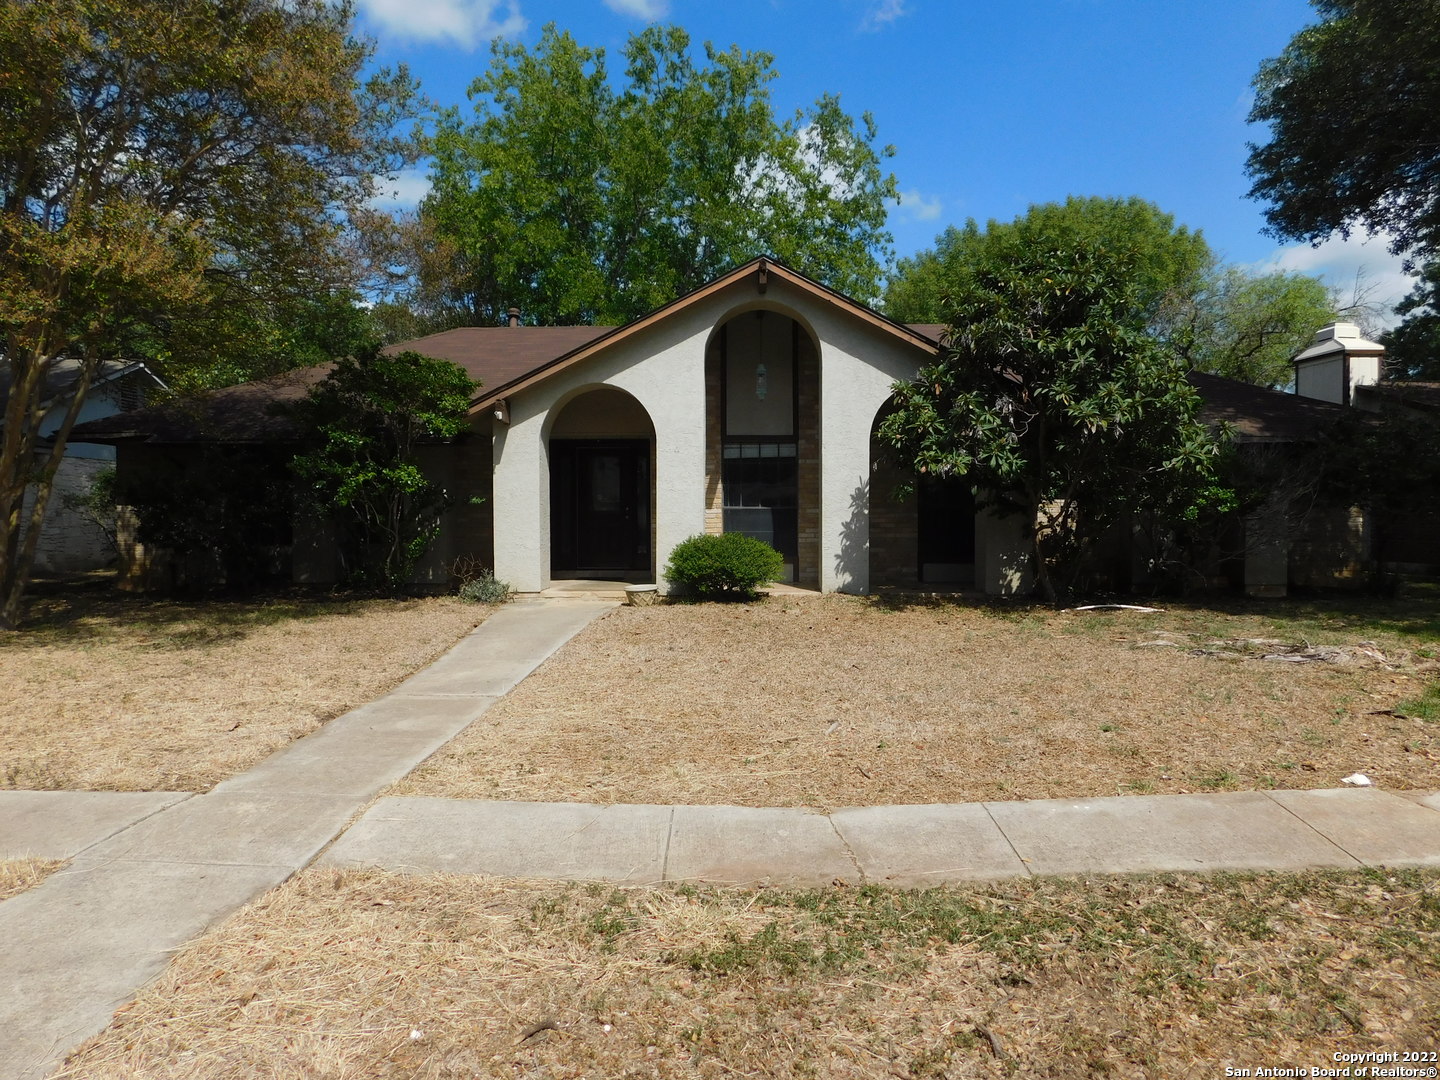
{"x": 599, "y": 507}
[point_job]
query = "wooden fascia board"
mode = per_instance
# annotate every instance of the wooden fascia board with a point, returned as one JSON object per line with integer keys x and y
{"x": 762, "y": 266}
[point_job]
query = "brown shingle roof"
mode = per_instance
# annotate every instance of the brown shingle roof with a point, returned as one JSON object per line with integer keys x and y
{"x": 1260, "y": 415}
{"x": 1407, "y": 393}
{"x": 496, "y": 355}
{"x": 237, "y": 414}
{"x": 248, "y": 413}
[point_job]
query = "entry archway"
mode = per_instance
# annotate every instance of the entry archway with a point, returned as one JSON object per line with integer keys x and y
{"x": 602, "y": 488}
{"x": 929, "y": 536}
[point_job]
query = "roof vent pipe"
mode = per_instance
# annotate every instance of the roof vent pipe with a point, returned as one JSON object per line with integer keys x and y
{"x": 514, "y": 314}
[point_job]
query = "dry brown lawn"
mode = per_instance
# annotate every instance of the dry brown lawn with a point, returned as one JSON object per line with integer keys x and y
{"x": 111, "y": 693}
{"x": 835, "y": 701}
{"x": 17, "y": 875}
{"x": 368, "y": 975}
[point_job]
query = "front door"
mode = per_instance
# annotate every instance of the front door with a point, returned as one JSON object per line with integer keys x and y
{"x": 599, "y": 508}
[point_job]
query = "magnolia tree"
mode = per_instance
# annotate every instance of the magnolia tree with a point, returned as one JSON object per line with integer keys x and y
{"x": 155, "y": 157}
{"x": 361, "y": 429}
{"x": 1053, "y": 399}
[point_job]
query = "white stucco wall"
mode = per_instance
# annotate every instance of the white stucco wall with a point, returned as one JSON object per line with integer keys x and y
{"x": 663, "y": 368}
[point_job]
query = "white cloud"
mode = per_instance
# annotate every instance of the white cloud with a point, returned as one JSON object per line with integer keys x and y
{"x": 882, "y": 14}
{"x": 916, "y": 207}
{"x": 1341, "y": 263}
{"x": 649, "y": 10}
{"x": 466, "y": 23}
{"x": 404, "y": 189}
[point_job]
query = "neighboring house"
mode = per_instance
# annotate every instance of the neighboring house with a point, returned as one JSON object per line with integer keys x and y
{"x": 749, "y": 405}
{"x": 71, "y": 540}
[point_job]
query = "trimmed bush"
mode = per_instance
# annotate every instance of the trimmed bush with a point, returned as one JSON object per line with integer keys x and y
{"x": 730, "y": 566}
{"x": 485, "y": 589}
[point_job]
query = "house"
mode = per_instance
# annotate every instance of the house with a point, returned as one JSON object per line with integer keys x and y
{"x": 72, "y": 540}
{"x": 1343, "y": 368}
{"x": 750, "y": 405}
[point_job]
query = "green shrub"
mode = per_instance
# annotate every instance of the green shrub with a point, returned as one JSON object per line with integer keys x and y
{"x": 485, "y": 589}
{"x": 731, "y": 566}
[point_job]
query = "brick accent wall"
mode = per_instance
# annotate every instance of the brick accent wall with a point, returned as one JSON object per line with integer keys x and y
{"x": 808, "y": 375}
{"x": 467, "y": 528}
{"x": 714, "y": 483}
{"x": 894, "y": 524}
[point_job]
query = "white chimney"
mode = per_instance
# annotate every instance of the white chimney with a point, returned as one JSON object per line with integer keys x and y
{"x": 1337, "y": 361}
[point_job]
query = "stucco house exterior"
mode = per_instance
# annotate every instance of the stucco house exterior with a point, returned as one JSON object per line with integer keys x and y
{"x": 750, "y": 405}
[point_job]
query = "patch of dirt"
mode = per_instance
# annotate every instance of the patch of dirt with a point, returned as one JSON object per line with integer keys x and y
{"x": 109, "y": 694}
{"x": 365, "y": 974}
{"x": 17, "y": 875}
{"x": 834, "y": 701}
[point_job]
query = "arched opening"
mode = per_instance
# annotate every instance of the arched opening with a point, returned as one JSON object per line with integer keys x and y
{"x": 762, "y": 386}
{"x": 928, "y": 536}
{"x": 602, "y": 489}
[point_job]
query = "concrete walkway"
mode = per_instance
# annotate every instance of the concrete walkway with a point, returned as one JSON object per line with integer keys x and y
{"x": 897, "y": 845}
{"x": 152, "y": 871}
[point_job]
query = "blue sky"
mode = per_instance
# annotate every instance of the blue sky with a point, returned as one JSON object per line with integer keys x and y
{"x": 991, "y": 107}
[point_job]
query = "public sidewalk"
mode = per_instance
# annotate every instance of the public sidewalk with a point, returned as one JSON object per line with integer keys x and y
{"x": 897, "y": 845}
{"x": 153, "y": 870}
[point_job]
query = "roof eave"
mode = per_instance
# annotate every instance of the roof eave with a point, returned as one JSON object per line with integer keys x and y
{"x": 762, "y": 267}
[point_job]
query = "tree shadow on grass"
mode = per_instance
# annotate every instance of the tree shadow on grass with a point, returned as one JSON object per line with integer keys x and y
{"x": 89, "y": 609}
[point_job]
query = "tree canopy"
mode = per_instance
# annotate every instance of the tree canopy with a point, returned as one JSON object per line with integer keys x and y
{"x": 158, "y": 161}
{"x": 363, "y": 425}
{"x": 1353, "y": 106}
{"x": 583, "y": 201}
{"x": 1053, "y": 399}
{"x": 1412, "y": 349}
{"x": 1222, "y": 319}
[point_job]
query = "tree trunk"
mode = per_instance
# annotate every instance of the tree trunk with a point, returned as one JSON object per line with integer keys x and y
{"x": 17, "y": 558}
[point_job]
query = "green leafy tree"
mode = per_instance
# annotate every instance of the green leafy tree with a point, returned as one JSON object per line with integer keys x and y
{"x": 158, "y": 159}
{"x": 581, "y": 201}
{"x": 1053, "y": 399}
{"x": 363, "y": 424}
{"x": 1412, "y": 349}
{"x": 1168, "y": 260}
{"x": 1220, "y": 319}
{"x": 1248, "y": 326}
{"x": 1353, "y": 105}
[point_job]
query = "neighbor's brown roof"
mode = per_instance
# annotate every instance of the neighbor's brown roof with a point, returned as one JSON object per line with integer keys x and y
{"x": 1259, "y": 415}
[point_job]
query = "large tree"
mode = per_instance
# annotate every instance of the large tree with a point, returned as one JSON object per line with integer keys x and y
{"x": 1222, "y": 319}
{"x": 1353, "y": 105}
{"x": 160, "y": 158}
{"x": 1053, "y": 399}
{"x": 1412, "y": 349}
{"x": 582, "y": 199}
